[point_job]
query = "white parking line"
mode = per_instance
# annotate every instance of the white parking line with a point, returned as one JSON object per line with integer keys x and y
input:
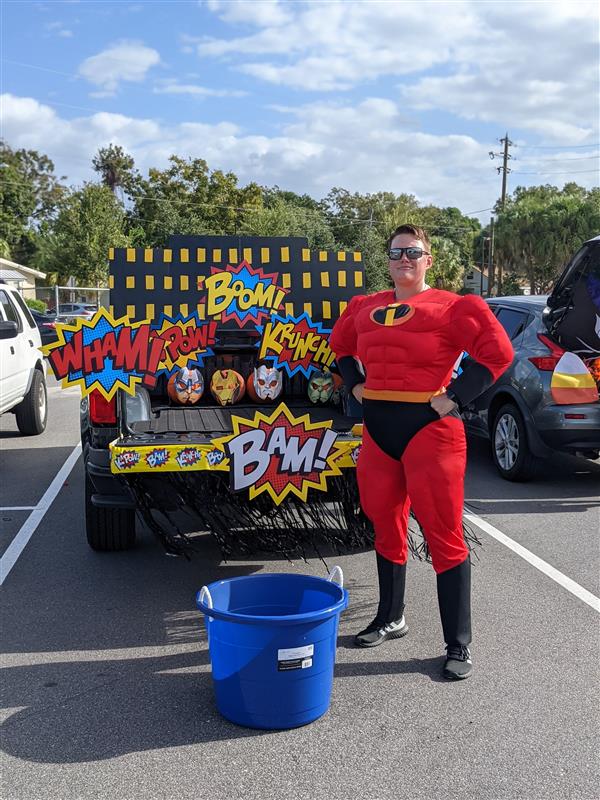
{"x": 16, "y": 547}
{"x": 17, "y": 508}
{"x": 535, "y": 561}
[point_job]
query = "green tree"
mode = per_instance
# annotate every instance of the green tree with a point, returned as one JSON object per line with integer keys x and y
{"x": 540, "y": 229}
{"x": 448, "y": 269}
{"x": 187, "y": 198}
{"x": 90, "y": 222}
{"x": 115, "y": 166}
{"x": 281, "y": 218}
{"x": 30, "y": 194}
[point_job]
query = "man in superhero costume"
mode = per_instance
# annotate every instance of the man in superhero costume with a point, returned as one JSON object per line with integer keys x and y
{"x": 414, "y": 447}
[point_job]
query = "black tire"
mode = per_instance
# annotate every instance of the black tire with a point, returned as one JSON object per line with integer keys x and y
{"x": 32, "y": 411}
{"x": 107, "y": 529}
{"x": 510, "y": 447}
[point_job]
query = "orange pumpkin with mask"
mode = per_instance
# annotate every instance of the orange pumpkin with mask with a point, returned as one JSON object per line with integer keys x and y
{"x": 227, "y": 387}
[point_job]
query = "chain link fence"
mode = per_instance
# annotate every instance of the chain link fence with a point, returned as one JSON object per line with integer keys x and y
{"x": 70, "y": 302}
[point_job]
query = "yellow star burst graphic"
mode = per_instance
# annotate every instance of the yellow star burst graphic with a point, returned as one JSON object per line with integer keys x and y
{"x": 287, "y": 483}
{"x": 102, "y": 316}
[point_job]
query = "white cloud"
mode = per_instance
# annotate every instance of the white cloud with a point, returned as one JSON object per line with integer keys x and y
{"x": 122, "y": 61}
{"x": 526, "y": 64}
{"x": 59, "y": 29}
{"x": 257, "y": 12}
{"x": 172, "y": 86}
{"x": 322, "y": 145}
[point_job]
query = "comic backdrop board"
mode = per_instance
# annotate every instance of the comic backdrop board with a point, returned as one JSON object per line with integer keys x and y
{"x": 238, "y": 281}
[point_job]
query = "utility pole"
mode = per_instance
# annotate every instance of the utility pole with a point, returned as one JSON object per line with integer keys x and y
{"x": 491, "y": 269}
{"x": 504, "y": 169}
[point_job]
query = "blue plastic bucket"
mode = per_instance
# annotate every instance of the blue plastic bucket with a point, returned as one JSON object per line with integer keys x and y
{"x": 272, "y": 642}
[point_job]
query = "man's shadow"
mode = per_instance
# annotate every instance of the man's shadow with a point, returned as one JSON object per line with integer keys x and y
{"x": 430, "y": 667}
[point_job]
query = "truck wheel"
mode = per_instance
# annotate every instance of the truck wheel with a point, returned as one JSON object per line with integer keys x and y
{"x": 107, "y": 529}
{"x": 510, "y": 448}
{"x": 32, "y": 411}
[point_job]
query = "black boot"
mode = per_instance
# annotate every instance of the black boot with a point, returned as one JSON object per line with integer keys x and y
{"x": 454, "y": 596}
{"x": 389, "y": 622}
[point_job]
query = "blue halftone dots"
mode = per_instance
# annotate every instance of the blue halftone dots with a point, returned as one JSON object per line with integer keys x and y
{"x": 99, "y": 331}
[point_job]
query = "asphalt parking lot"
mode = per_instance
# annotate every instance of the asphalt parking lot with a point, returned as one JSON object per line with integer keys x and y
{"x": 106, "y": 676}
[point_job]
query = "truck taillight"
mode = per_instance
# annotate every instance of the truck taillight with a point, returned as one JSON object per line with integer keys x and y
{"x": 549, "y": 362}
{"x": 102, "y": 411}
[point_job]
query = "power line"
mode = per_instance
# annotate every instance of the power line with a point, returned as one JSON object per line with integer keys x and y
{"x": 555, "y": 147}
{"x": 42, "y": 69}
{"x": 567, "y": 158}
{"x": 578, "y": 172}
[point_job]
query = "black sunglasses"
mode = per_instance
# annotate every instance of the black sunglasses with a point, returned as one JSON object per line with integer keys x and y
{"x": 413, "y": 253}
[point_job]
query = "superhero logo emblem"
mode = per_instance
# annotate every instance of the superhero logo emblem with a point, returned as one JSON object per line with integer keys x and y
{"x": 394, "y": 314}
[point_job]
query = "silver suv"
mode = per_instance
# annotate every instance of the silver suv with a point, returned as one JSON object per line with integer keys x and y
{"x": 22, "y": 366}
{"x": 518, "y": 413}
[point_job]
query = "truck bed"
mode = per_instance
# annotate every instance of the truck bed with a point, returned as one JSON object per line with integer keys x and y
{"x": 217, "y": 420}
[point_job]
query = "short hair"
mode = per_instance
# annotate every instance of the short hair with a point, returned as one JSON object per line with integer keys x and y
{"x": 414, "y": 230}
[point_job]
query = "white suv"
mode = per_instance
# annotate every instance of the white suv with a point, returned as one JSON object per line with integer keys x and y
{"x": 22, "y": 366}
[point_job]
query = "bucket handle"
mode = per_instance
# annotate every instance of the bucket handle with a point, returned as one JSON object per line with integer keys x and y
{"x": 205, "y": 593}
{"x": 336, "y": 575}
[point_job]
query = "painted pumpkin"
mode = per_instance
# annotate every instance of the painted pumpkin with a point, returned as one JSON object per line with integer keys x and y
{"x": 186, "y": 386}
{"x": 321, "y": 387}
{"x": 336, "y": 397}
{"x": 227, "y": 386}
{"x": 265, "y": 383}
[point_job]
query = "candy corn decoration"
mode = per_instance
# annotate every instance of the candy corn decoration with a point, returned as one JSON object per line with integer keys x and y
{"x": 572, "y": 382}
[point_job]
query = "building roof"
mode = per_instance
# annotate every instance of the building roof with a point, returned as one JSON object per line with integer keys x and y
{"x": 11, "y": 275}
{"x": 21, "y": 270}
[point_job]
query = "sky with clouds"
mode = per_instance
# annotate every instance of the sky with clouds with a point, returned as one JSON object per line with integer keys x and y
{"x": 368, "y": 95}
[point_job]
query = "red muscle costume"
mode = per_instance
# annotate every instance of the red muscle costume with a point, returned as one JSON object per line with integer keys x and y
{"x": 411, "y": 457}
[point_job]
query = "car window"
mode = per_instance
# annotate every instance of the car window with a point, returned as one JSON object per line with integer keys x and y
{"x": 10, "y": 312}
{"x": 66, "y": 309}
{"x": 514, "y": 322}
{"x": 23, "y": 306}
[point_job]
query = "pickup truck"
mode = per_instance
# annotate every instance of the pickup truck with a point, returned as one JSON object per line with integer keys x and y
{"x": 223, "y": 306}
{"x": 22, "y": 366}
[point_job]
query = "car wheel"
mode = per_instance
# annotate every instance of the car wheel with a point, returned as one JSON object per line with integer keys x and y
{"x": 107, "y": 529}
{"x": 32, "y": 411}
{"x": 510, "y": 448}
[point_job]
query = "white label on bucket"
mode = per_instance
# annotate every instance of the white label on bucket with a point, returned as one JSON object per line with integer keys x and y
{"x": 307, "y": 662}
{"x": 293, "y": 653}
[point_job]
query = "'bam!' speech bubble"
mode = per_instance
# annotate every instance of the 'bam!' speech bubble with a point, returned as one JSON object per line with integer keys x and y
{"x": 281, "y": 454}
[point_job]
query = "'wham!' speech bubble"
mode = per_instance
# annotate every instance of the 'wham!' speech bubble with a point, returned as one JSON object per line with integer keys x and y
{"x": 105, "y": 354}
